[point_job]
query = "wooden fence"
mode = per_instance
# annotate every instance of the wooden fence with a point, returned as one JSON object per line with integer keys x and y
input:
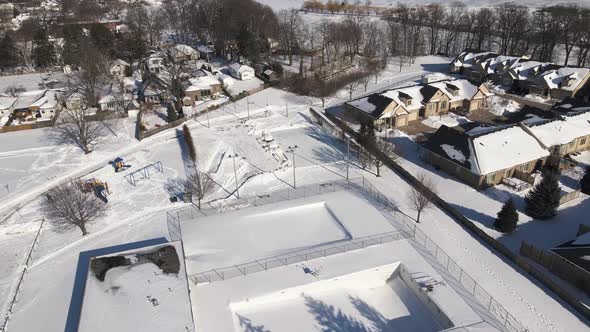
{"x": 141, "y": 134}
{"x": 569, "y": 197}
{"x": 517, "y": 259}
{"x": 560, "y": 267}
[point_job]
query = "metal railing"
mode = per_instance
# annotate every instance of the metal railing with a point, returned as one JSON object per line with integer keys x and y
{"x": 298, "y": 256}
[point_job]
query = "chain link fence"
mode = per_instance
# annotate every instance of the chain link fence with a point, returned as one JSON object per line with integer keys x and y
{"x": 405, "y": 224}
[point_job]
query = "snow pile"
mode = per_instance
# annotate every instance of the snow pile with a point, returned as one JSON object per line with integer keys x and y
{"x": 501, "y": 106}
{"x": 454, "y": 153}
{"x": 449, "y": 120}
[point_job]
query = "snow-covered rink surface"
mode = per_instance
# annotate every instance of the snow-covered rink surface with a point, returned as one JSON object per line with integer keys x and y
{"x": 246, "y": 235}
{"x": 360, "y": 290}
{"x": 137, "y": 298}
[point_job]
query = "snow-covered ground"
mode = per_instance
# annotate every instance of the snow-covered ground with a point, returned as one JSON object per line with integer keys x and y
{"x": 137, "y": 213}
{"x": 449, "y": 120}
{"x": 501, "y": 106}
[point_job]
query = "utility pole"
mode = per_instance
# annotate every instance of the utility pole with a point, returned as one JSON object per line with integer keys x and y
{"x": 208, "y": 123}
{"x": 347, "y": 157}
{"x": 287, "y": 107}
{"x": 248, "y": 104}
{"x": 233, "y": 157}
{"x": 292, "y": 150}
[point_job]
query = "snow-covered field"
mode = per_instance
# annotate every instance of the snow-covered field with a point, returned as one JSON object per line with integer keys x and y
{"x": 137, "y": 213}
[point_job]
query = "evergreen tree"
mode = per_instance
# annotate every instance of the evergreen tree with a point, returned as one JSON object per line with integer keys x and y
{"x": 507, "y": 218}
{"x": 585, "y": 182}
{"x": 171, "y": 113}
{"x": 367, "y": 133}
{"x": 8, "y": 52}
{"x": 73, "y": 35}
{"x": 543, "y": 200}
{"x": 43, "y": 49}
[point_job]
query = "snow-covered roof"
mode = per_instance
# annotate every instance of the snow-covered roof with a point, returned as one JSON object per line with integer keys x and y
{"x": 119, "y": 62}
{"x": 486, "y": 151}
{"x": 468, "y": 57}
{"x": 399, "y": 95}
{"x": 559, "y": 132}
{"x": 7, "y": 102}
{"x": 240, "y": 68}
{"x": 184, "y": 50}
{"x": 202, "y": 83}
{"x": 465, "y": 89}
{"x": 205, "y": 49}
{"x": 566, "y": 78}
{"x": 26, "y": 99}
{"x": 504, "y": 149}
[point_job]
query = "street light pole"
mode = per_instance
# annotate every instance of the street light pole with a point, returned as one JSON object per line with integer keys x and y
{"x": 233, "y": 157}
{"x": 292, "y": 150}
{"x": 347, "y": 157}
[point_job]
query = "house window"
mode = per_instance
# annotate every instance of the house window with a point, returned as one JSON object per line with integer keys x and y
{"x": 523, "y": 167}
{"x": 443, "y": 105}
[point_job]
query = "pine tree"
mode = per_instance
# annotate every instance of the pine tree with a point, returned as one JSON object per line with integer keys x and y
{"x": 585, "y": 182}
{"x": 507, "y": 217}
{"x": 171, "y": 113}
{"x": 43, "y": 50}
{"x": 543, "y": 200}
{"x": 8, "y": 52}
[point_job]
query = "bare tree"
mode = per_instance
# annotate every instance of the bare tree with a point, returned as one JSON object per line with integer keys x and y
{"x": 92, "y": 75}
{"x": 388, "y": 149}
{"x": 200, "y": 185}
{"x": 421, "y": 195}
{"x": 76, "y": 129}
{"x": 290, "y": 26}
{"x": 354, "y": 82}
{"x": 68, "y": 207}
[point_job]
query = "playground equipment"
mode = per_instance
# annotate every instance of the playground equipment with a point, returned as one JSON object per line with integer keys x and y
{"x": 144, "y": 173}
{"x": 100, "y": 189}
{"x": 119, "y": 165}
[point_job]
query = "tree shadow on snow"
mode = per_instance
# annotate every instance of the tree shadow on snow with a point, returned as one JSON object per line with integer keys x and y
{"x": 248, "y": 326}
{"x": 331, "y": 319}
{"x": 378, "y": 321}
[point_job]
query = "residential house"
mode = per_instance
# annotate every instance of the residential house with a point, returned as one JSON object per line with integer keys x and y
{"x": 115, "y": 102}
{"x": 202, "y": 88}
{"x": 184, "y": 53}
{"x": 484, "y": 156}
{"x": 6, "y": 106}
{"x": 119, "y": 68}
{"x": 75, "y": 101}
{"x": 46, "y": 107}
{"x": 22, "y": 105}
{"x": 397, "y": 107}
{"x": 570, "y": 133}
{"x": 206, "y": 52}
{"x": 469, "y": 63}
{"x": 155, "y": 63}
{"x": 241, "y": 71}
{"x": 560, "y": 83}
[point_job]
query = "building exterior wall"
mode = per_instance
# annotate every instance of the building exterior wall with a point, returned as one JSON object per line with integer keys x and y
{"x": 453, "y": 169}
